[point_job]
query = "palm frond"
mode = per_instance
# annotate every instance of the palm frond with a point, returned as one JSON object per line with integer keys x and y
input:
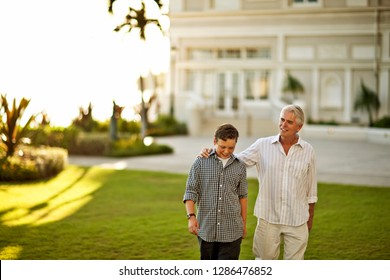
{"x": 367, "y": 101}
{"x": 110, "y": 5}
{"x": 137, "y": 19}
{"x": 292, "y": 85}
{"x": 11, "y": 131}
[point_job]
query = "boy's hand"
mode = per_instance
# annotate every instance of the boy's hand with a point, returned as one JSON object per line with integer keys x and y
{"x": 193, "y": 226}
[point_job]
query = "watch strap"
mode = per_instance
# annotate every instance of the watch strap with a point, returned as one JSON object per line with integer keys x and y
{"x": 190, "y": 215}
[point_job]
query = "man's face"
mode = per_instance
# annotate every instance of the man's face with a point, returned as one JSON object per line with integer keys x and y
{"x": 288, "y": 126}
{"x": 224, "y": 149}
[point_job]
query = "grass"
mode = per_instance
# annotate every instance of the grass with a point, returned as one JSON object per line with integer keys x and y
{"x": 93, "y": 213}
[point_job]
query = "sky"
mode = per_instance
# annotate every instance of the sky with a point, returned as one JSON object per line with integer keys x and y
{"x": 64, "y": 54}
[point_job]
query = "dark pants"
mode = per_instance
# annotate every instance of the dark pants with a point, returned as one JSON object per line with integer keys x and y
{"x": 219, "y": 250}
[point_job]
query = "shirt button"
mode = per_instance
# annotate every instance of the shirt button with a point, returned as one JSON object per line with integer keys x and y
{"x": 220, "y": 198}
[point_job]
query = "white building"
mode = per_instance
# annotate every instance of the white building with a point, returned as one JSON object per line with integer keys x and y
{"x": 230, "y": 58}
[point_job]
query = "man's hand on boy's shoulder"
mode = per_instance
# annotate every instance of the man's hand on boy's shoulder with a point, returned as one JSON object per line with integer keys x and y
{"x": 205, "y": 152}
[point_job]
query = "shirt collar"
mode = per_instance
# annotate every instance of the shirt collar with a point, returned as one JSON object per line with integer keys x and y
{"x": 275, "y": 139}
{"x": 214, "y": 154}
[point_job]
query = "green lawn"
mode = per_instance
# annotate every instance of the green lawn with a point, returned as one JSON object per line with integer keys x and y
{"x": 93, "y": 213}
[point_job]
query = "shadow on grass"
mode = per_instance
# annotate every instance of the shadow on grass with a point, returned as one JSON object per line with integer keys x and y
{"x": 44, "y": 205}
{"x": 19, "y": 224}
{"x": 130, "y": 215}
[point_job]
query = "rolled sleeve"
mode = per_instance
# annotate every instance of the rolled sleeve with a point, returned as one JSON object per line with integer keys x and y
{"x": 192, "y": 189}
{"x": 243, "y": 187}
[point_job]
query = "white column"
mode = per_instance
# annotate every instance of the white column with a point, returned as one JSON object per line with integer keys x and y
{"x": 347, "y": 95}
{"x": 385, "y": 45}
{"x": 315, "y": 94}
{"x": 280, "y": 67}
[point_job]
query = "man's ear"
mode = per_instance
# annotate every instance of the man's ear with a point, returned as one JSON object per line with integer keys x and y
{"x": 215, "y": 141}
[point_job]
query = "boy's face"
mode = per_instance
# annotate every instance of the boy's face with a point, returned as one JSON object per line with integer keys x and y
{"x": 224, "y": 149}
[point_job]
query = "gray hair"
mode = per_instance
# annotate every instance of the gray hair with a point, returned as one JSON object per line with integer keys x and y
{"x": 297, "y": 111}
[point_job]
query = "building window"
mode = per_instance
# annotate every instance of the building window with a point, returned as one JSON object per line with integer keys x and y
{"x": 193, "y": 5}
{"x": 228, "y": 87}
{"x": 258, "y": 52}
{"x": 200, "y": 54}
{"x": 361, "y": 3}
{"x": 223, "y": 5}
{"x": 249, "y": 53}
{"x": 256, "y": 85}
{"x": 306, "y": 3}
{"x": 201, "y": 83}
{"x": 229, "y": 53}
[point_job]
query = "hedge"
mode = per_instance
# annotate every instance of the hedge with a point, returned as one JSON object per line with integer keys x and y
{"x": 32, "y": 163}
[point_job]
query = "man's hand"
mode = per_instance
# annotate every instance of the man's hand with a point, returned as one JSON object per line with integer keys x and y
{"x": 244, "y": 234}
{"x": 205, "y": 152}
{"x": 310, "y": 223}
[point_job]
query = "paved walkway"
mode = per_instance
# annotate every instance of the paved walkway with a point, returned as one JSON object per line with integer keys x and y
{"x": 338, "y": 161}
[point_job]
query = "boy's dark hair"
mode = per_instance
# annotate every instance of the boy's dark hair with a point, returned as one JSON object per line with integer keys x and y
{"x": 226, "y": 131}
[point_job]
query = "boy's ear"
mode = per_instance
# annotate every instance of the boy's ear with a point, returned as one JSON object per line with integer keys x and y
{"x": 215, "y": 141}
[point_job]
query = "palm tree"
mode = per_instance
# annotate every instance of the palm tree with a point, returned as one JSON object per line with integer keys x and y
{"x": 85, "y": 119}
{"x": 367, "y": 100}
{"x": 10, "y": 130}
{"x": 116, "y": 115}
{"x": 137, "y": 19}
{"x": 293, "y": 85}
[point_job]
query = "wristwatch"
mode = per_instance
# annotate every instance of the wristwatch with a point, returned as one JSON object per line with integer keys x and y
{"x": 190, "y": 215}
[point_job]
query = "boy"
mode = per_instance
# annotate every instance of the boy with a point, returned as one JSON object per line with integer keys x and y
{"x": 218, "y": 186}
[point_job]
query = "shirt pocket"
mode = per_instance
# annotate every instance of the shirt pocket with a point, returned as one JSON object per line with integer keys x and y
{"x": 299, "y": 169}
{"x": 231, "y": 183}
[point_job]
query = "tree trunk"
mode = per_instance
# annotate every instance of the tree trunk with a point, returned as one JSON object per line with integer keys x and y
{"x": 144, "y": 119}
{"x": 370, "y": 118}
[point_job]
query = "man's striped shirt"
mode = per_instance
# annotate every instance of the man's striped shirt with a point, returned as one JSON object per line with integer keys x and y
{"x": 287, "y": 183}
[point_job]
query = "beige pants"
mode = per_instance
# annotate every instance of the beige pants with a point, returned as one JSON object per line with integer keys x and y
{"x": 267, "y": 239}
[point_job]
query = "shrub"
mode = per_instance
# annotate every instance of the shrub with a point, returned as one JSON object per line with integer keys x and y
{"x": 17, "y": 169}
{"x": 383, "y": 122}
{"x": 136, "y": 147}
{"x": 85, "y": 120}
{"x": 166, "y": 125}
{"x": 91, "y": 144}
{"x": 31, "y": 163}
{"x": 132, "y": 127}
{"x": 322, "y": 122}
{"x": 54, "y": 136}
